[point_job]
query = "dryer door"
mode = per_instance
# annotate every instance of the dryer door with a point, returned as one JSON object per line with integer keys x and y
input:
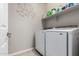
{"x": 56, "y": 43}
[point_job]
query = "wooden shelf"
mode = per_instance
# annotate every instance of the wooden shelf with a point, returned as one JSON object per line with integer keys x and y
{"x": 63, "y": 12}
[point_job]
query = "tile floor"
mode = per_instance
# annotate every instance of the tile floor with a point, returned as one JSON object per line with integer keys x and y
{"x": 30, "y": 53}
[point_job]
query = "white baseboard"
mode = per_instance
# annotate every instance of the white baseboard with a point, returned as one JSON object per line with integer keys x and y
{"x": 20, "y": 52}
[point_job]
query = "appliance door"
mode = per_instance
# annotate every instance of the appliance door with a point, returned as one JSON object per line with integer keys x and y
{"x": 56, "y": 43}
{"x": 39, "y": 42}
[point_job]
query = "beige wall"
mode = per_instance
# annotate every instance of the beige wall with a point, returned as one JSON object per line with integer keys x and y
{"x": 23, "y": 26}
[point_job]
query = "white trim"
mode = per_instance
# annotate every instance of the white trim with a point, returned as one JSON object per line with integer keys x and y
{"x": 19, "y": 52}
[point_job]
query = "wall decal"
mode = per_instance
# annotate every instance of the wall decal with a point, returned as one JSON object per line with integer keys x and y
{"x": 25, "y": 10}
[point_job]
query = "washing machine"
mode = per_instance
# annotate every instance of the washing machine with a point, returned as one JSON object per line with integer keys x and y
{"x": 58, "y": 42}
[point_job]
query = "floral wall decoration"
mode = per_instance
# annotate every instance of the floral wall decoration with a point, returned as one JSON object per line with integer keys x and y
{"x": 25, "y": 10}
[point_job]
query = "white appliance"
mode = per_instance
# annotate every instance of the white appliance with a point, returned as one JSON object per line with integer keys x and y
{"x": 58, "y": 42}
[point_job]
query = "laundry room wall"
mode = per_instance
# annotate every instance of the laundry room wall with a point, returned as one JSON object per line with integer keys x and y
{"x": 24, "y": 21}
{"x": 71, "y": 18}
